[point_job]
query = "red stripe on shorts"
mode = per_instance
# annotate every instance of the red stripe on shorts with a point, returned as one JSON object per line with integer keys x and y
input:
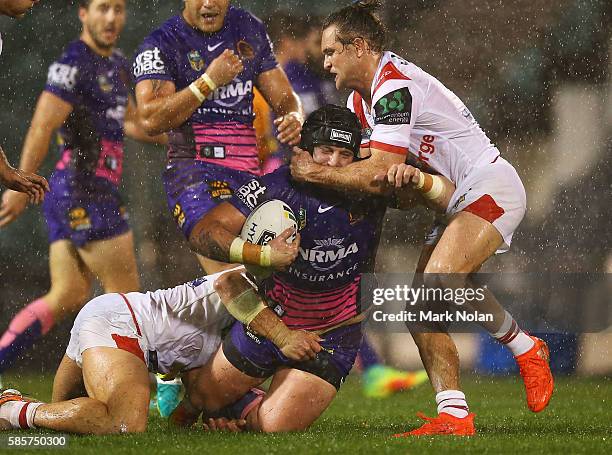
{"x": 486, "y": 208}
{"x": 133, "y": 315}
{"x": 23, "y": 421}
{"x": 129, "y": 344}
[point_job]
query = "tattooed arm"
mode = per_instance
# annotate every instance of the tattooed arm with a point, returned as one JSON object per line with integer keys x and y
{"x": 213, "y": 235}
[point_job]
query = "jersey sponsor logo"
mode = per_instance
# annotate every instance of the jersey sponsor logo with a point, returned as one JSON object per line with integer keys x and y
{"x": 179, "y": 215}
{"x": 195, "y": 60}
{"x": 197, "y": 282}
{"x": 212, "y": 48}
{"x": 62, "y": 75}
{"x": 237, "y": 90}
{"x": 327, "y": 253}
{"x": 219, "y": 189}
{"x": 426, "y": 147}
{"x": 245, "y": 50}
{"x": 79, "y": 219}
{"x": 322, "y": 209}
{"x": 149, "y": 62}
{"x": 342, "y": 136}
{"x": 394, "y": 108}
{"x": 250, "y": 192}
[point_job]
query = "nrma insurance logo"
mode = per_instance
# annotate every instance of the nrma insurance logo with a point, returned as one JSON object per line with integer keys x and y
{"x": 328, "y": 253}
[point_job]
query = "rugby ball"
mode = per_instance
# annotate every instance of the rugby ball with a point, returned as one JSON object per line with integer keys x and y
{"x": 263, "y": 224}
{"x": 267, "y": 221}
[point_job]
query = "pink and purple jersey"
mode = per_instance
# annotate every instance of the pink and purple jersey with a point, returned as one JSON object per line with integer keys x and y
{"x": 339, "y": 241}
{"x": 221, "y": 130}
{"x": 97, "y": 87}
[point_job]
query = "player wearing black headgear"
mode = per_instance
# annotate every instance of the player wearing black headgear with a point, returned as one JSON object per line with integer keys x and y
{"x": 332, "y": 125}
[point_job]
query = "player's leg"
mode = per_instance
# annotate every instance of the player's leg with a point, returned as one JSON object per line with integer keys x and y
{"x": 440, "y": 358}
{"x": 117, "y": 386}
{"x": 68, "y": 382}
{"x": 218, "y": 388}
{"x": 117, "y": 383}
{"x": 294, "y": 401}
{"x": 466, "y": 243}
{"x": 113, "y": 261}
{"x": 70, "y": 288}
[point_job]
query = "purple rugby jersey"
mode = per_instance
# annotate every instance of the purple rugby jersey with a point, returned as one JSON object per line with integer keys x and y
{"x": 221, "y": 130}
{"x": 91, "y": 139}
{"x": 339, "y": 241}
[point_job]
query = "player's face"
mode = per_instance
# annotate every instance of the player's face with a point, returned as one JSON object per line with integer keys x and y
{"x": 16, "y": 8}
{"x": 339, "y": 59}
{"x": 103, "y": 20}
{"x": 206, "y": 15}
{"x": 330, "y": 155}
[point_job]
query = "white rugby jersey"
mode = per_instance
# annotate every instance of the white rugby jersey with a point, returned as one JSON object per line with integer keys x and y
{"x": 414, "y": 113}
{"x": 183, "y": 325}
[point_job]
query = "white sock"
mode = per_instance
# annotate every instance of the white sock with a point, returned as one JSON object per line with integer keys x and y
{"x": 511, "y": 336}
{"x": 452, "y": 402}
{"x": 20, "y": 414}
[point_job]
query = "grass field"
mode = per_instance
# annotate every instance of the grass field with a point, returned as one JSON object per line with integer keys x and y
{"x": 578, "y": 420}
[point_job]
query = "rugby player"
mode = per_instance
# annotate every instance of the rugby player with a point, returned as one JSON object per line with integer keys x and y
{"x": 295, "y": 38}
{"x": 87, "y": 98}
{"x": 102, "y": 383}
{"x": 195, "y": 77}
{"x": 318, "y": 292}
{"x": 13, "y": 179}
{"x": 411, "y": 115}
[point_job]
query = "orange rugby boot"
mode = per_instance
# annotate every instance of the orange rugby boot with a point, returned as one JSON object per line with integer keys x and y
{"x": 443, "y": 424}
{"x": 535, "y": 371}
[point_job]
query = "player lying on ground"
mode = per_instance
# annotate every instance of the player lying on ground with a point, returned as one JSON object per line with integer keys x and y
{"x": 318, "y": 292}
{"x": 14, "y": 179}
{"x": 411, "y": 115}
{"x": 102, "y": 383}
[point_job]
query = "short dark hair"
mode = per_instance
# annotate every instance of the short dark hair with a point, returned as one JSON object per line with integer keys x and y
{"x": 359, "y": 20}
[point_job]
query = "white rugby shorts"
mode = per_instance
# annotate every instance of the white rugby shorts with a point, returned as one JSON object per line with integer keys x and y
{"x": 107, "y": 321}
{"x": 495, "y": 193}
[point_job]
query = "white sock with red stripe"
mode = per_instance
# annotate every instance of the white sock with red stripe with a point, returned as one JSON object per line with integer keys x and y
{"x": 20, "y": 414}
{"x": 452, "y": 402}
{"x": 511, "y": 336}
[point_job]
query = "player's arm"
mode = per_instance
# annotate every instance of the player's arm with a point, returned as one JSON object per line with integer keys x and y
{"x": 134, "y": 129}
{"x": 277, "y": 91}
{"x": 411, "y": 186}
{"x": 161, "y": 108}
{"x": 358, "y": 176}
{"x": 216, "y": 236}
{"x": 50, "y": 113}
{"x": 243, "y": 302}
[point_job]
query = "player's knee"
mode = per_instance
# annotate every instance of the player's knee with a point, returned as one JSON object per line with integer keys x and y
{"x": 282, "y": 425}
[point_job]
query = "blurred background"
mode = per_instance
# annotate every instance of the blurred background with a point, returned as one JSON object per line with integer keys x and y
{"x": 535, "y": 74}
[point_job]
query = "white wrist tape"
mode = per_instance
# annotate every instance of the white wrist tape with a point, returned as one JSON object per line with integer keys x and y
{"x": 206, "y": 78}
{"x": 437, "y": 188}
{"x": 235, "y": 253}
{"x": 265, "y": 258}
{"x": 196, "y": 91}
